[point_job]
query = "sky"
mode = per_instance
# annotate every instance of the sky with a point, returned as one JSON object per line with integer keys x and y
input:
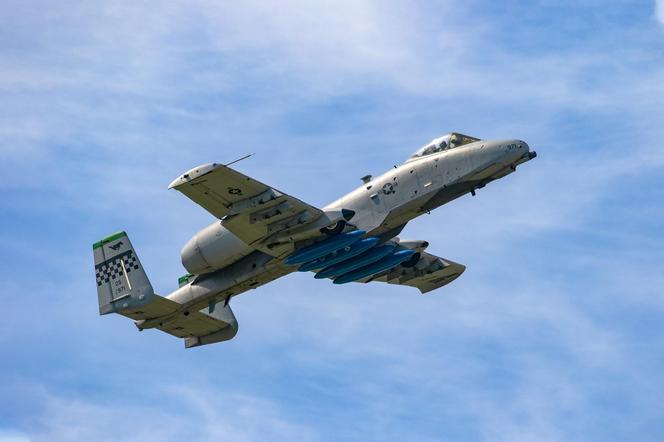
{"x": 553, "y": 333}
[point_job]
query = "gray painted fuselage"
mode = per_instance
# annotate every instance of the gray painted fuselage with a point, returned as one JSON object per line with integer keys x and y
{"x": 382, "y": 206}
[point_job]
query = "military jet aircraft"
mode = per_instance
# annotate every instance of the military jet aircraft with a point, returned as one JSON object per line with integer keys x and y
{"x": 262, "y": 234}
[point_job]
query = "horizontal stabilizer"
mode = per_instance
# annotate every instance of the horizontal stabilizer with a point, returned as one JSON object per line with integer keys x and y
{"x": 124, "y": 288}
{"x": 202, "y": 327}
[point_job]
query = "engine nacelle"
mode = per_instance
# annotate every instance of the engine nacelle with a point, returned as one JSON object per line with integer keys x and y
{"x": 211, "y": 249}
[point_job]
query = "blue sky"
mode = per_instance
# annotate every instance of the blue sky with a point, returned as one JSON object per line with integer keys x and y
{"x": 554, "y": 333}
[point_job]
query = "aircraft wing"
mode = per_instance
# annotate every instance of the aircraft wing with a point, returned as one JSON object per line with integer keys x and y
{"x": 429, "y": 273}
{"x": 260, "y": 215}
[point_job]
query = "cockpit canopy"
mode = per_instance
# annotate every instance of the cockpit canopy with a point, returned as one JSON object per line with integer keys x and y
{"x": 449, "y": 141}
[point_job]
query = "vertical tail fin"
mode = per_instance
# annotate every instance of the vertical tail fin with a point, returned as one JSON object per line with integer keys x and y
{"x": 122, "y": 284}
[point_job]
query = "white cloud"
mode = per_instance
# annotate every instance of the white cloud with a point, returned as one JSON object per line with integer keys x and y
{"x": 659, "y": 11}
{"x": 7, "y": 435}
{"x": 80, "y": 114}
{"x": 195, "y": 414}
{"x": 90, "y": 82}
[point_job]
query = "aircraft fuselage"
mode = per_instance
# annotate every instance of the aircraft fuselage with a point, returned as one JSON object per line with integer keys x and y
{"x": 382, "y": 207}
{"x": 420, "y": 185}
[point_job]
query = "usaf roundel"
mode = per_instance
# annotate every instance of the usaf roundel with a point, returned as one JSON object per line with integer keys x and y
{"x": 388, "y": 188}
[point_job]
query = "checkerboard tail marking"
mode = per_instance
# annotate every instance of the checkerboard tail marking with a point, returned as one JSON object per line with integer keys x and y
{"x": 122, "y": 284}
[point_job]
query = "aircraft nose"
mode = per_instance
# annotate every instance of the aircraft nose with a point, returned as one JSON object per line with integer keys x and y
{"x": 525, "y": 149}
{"x": 513, "y": 151}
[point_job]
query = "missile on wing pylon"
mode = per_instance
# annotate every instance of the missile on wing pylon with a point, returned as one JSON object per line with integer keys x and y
{"x": 366, "y": 258}
{"x": 376, "y": 267}
{"x": 341, "y": 255}
{"x": 325, "y": 247}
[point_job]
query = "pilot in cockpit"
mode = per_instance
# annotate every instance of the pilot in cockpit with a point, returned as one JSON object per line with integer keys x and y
{"x": 442, "y": 143}
{"x": 436, "y": 145}
{"x": 449, "y": 141}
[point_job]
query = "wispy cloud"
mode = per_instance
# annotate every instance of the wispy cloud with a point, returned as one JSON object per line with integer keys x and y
{"x": 102, "y": 105}
{"x": 196, "y": 414}
{"x": 659, "y": 11}
{"x": 13, "y": 436}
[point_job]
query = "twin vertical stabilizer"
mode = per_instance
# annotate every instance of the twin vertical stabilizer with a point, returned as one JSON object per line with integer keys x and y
{"x": 122, "y": 284}
{"x": 124, "y": 288}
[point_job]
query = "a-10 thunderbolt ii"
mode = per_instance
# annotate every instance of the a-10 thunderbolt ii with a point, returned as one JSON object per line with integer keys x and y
{"x": 263, "y": 234}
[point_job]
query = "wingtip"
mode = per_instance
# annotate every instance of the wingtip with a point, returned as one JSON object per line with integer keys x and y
{"x": 192, "y": 174}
